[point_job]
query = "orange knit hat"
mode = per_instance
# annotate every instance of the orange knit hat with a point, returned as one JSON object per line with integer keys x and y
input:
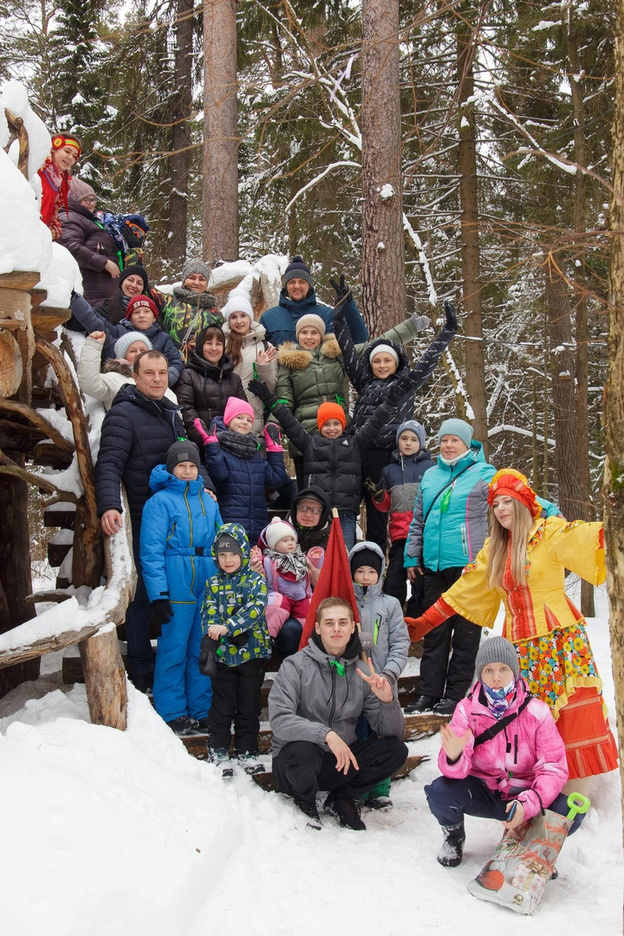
{"x": 330, "y": 411}
{"x": 511, "y": 483}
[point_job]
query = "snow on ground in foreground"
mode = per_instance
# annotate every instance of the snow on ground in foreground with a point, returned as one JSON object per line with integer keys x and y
{"x": 107, "y": 832}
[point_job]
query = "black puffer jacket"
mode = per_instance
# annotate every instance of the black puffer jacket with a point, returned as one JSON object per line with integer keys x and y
{"x": 334, "y": 465}
{"x": 372, "y": 391}
{"x": 203, "y": 390}
{"x": 91, "y": 246}
{"x": 136, "y": 434}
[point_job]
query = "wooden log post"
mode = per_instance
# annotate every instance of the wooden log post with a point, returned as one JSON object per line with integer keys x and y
{"x": 105, "y": 679}
{"x": 87, "y": 558}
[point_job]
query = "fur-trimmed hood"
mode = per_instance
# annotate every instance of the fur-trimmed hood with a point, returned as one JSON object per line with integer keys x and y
{"x": 296, "y": 358}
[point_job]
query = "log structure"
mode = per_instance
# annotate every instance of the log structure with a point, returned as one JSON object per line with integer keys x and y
{"x": 28, "y": 439}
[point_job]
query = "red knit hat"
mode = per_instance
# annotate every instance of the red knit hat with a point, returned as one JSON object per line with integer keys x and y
{"x": 511, "y": 483}
{"x": 330, "y": 411}
{"x": 59, "y": 140}
{"x": 141, "y": 302}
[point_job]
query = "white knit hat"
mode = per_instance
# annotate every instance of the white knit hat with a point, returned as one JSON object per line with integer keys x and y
{"x": 277, "y": 530}
{"x": 383, "y": 349}
{"x": 237, "y": 303}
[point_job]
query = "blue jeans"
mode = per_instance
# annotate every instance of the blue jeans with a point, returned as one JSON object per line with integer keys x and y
{"x": 287, "y": 641}
{"x": 347, "y": 522}
{"x": 450, "y": 800}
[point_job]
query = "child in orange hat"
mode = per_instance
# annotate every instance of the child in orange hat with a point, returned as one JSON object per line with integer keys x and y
{"x": 332, "y": 460}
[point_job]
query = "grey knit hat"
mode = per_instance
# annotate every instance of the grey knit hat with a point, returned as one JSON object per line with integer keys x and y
{"x": 122, "y": 344}
{"x": 496, "y": 650}
{"x": 456, "y": 427}
{"x": 195, "y": 266}
{"x": 297, "y": 269}
{"x": 410, "y": 425}
{"x": 181, "y": 451}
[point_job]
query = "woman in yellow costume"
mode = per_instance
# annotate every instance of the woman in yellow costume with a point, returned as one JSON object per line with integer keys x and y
{"x": 523, "y": 564}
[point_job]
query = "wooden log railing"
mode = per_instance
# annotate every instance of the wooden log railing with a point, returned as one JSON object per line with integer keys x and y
{"x": 94, "y": 630}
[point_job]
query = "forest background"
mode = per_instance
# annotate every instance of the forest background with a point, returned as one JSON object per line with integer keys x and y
{"x": 499, "y": 168}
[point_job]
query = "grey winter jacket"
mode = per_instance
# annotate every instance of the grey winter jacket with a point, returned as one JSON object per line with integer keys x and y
{"x": 381, "y": 616}
{"x": 309, "y": 698}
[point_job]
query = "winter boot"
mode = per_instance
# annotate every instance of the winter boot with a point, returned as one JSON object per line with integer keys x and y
{"x": 422, "y": 704}
{"x": 378, "y": 797}
{"x": 184, "y": 726}
{"x": 345, "y": 808}
{"x": 221, "y": 759}
{"x": 308, "y": 808}
{"x": 445, "y": 707}
{"x": 250, "y": 764}
{"x": 452, "y": 851}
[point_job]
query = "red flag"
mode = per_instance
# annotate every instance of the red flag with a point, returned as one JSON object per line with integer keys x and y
{"x": 334, "y": 580}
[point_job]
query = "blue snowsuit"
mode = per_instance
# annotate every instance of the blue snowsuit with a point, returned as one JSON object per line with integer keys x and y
{"x": 177, "y": 530}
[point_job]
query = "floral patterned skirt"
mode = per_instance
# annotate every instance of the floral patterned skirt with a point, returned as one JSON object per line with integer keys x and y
{"x": 560, "y": 669}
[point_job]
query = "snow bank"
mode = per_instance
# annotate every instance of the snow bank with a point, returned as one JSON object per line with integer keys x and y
{"x": 14, "y": 97}
{"x": 108, "y": 832}
{"x": 25, "y": 242}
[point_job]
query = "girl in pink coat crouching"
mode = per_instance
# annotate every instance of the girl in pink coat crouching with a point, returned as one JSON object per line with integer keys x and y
{"x": 501, "y": 756}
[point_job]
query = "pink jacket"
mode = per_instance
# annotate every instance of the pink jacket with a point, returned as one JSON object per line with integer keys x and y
{"x": 525, "y": 761}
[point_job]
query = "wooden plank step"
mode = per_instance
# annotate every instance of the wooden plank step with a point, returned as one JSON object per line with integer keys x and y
{"x": 50, "y": 456}
{"x": 416, "y": 727}
{"x": 59, "y": 545}
{"x": 53, "y": 596}
{"x": 265, "y": 780}
{"x": 61, "y": 515}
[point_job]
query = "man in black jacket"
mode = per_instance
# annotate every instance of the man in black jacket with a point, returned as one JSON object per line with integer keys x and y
{"x": 136, "y": 433}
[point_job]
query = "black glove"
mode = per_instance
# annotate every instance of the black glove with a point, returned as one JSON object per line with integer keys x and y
{"x": 260, "y": 389}
{"x": 240, "y": 640}
{"x": 451, "y": 315}
{"x": 343, "y": 294}
{"x": 208, "y": 656}
{"x": 162, "y": 611}
{"x": 375, "y": 492}
{"x": 399, "y": 389}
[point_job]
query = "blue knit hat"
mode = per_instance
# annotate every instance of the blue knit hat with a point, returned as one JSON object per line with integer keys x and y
{"x": 456, "y": 427}
{"x": 410, "y": 425}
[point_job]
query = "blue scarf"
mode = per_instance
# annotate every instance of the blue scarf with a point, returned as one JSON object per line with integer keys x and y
{"x": 499, "y": 700}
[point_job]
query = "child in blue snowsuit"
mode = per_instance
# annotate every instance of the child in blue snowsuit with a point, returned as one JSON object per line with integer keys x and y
{"x": 177, "y": 531}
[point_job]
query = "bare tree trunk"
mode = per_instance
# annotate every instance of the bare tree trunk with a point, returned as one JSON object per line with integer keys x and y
{"x": 220, "y": 208}
{"x": 613, "y": 490}
{"x": 586, "y": 507}
{"x": 469, "y": 219}
{"x": 562, "y": 390}
{"x": 181, "y": 135}
{"x": 383, "y": 245}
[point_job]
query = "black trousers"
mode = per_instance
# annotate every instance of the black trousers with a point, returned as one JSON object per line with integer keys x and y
{"x": 396, "y": 584}
{"x": 302, "y": 768}
{"x": 375, "y": 460}
{"x": 236, "y": 698}
{"x": 439, "y": 676}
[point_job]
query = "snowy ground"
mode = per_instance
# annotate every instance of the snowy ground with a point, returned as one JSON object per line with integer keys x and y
{"x": 105, "y": 832}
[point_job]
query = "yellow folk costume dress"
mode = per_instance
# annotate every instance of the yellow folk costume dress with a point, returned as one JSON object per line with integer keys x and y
{"x": 548, "y": 632}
